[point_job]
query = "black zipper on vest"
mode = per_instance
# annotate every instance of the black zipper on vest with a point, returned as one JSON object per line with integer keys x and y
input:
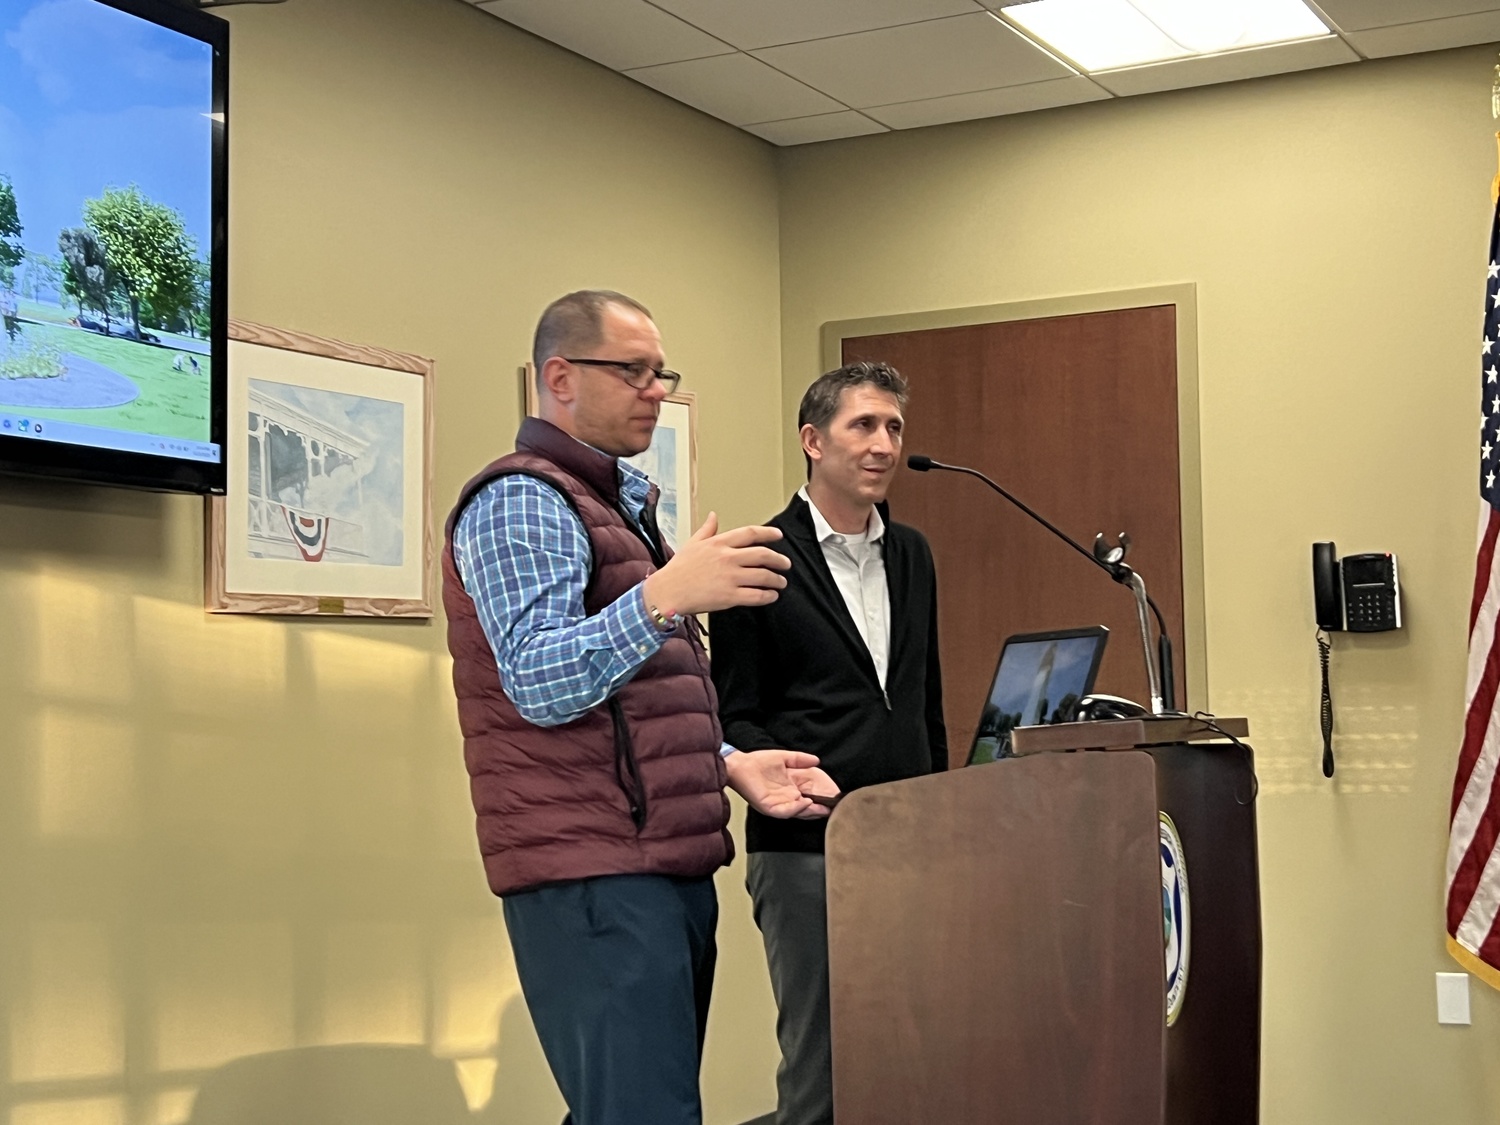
{"x": 650, "y": 536}
{"x": 626, "y": 771}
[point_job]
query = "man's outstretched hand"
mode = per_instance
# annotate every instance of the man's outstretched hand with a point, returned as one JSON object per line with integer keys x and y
{"x": 776, "y": 782}
{"x": 717, "y": 570}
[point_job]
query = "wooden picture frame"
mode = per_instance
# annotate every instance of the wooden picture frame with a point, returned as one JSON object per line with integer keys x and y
{"x": 328, "y": 510}
{"x": 671, "y": 461}
{"x": 530, "y": 404}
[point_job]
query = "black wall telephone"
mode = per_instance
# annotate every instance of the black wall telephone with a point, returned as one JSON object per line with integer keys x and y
{"x": 1360, "y": 593}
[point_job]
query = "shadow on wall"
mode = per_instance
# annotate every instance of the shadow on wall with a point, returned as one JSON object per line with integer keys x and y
{"x": 87, "y": 523}
{"x": 380, "y": 1084}
{"x": 355, "y": 1084}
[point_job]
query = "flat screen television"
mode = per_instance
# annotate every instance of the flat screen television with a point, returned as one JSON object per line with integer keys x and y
{"x": 113, "y": 183}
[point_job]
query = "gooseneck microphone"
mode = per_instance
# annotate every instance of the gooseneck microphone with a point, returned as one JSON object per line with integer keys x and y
{"x": 1111, "y": 561}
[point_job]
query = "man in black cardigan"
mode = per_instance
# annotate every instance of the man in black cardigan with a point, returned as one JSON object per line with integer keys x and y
{"x": 843, "y": 665}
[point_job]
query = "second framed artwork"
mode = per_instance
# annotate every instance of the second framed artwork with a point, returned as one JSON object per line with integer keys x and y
{"x": 329, "y": 509}
{"x": 671, "y": 461}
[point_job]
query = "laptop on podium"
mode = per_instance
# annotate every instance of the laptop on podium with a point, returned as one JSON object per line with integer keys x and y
{"x": 1039, "y": 679}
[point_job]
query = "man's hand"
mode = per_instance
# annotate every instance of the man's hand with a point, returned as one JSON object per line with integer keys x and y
{"x": 714, "y": 571}
{"x": 768, "y": 780}
{"x": 814, "y": 782}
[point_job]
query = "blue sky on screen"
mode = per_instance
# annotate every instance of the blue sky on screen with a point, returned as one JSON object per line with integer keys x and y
{"x": 1014, "y": 680}
{"x": 90, "y": 98}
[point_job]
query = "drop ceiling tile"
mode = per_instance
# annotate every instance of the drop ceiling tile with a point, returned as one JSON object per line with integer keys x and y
{"x": 989, "y": 103}
{"x": 766, "y": 23}
{"x": 923, "y": 60}
{"x": 822, "y": 127}
{"x": 1429, "y": 35}
{"x": 736, "y": 89}
{"x": 1230, "y": 67}
{"x": 618, "y": 33}
{"x": 1361, "y": 15}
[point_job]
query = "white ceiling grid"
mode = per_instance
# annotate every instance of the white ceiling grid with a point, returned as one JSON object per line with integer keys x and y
{"x": 798, "y": 71}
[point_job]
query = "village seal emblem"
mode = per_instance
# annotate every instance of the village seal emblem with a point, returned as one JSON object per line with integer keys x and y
{"x": 1175, "y": 916}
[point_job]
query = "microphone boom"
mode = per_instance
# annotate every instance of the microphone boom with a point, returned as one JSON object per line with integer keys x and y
{"x": 1159, "y": 671}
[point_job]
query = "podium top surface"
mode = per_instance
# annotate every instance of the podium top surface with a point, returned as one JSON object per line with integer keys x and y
{"x": 1123, "y": 734}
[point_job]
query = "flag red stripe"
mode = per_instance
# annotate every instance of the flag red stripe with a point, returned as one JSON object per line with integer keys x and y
{"x": 1470, "y": 870}
{"x": 1466, "y": 878}
{"x": 1482, "y": 565}
{"x": 1467, "y": 875}
{"x": 1477, "y": 722}
{"x": 1489, "y": 948}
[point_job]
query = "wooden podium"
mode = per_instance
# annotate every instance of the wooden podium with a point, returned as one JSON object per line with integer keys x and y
{"x": 996, "y": 936}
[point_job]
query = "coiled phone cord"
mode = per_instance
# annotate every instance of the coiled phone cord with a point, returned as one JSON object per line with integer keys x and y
{"x": 1325, "y": 646}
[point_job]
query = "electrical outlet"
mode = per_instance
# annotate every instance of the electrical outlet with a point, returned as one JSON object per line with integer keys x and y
{"x": 1453, "y": 998}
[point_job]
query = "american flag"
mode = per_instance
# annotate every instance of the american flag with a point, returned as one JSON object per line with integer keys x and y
{"x": 1473, "y": 858}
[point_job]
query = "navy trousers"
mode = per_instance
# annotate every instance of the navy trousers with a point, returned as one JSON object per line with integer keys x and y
{"x": 617, "y": 972}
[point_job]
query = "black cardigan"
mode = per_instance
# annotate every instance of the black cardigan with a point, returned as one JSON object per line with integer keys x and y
{"x": 797, "y": 675}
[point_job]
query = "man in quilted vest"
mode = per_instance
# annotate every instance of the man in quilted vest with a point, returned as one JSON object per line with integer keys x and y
{"x": 590, "y": 723}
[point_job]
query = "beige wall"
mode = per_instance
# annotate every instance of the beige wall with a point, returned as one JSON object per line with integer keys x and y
{"x": 225, "y": 837}
{"x": 1335, "y": 225}
{"x": 221, "y": 837}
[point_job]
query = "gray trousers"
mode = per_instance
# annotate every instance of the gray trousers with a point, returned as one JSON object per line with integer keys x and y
{"x": 790, "y": 895}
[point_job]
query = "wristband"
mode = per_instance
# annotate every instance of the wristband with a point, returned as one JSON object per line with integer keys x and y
{"x": 664, "y": 622}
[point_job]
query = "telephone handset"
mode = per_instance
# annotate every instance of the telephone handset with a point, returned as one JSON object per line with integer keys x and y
{"x": 1328, "y": 599}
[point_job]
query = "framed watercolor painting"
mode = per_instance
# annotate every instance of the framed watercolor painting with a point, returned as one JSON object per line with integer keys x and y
{"x": 329, "y": 505}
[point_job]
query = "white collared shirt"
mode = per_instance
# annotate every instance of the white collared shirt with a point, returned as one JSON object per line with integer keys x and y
{"x": 857, "y": 563}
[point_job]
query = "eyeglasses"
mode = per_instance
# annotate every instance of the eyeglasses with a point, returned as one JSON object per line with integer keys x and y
{"x": 637, "y": 374}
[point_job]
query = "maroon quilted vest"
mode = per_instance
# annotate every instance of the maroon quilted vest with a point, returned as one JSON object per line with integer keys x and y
{"x": 635, "y": 785}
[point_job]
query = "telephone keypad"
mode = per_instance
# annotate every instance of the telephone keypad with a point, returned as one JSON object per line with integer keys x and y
{"x": 1372, "y": 610}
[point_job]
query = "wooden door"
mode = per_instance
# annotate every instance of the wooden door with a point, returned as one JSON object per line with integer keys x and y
{"x": 1075, "y": 415}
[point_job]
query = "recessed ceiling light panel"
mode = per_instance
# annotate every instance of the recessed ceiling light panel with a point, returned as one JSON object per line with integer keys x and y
{"x": 1200, "y": 27}
{"x": 1110, "y": 34}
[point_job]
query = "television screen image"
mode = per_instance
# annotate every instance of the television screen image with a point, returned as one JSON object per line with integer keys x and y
{"x": 111, "y": 242}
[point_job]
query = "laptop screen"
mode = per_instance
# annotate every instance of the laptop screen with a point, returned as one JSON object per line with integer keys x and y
{"x": 1040, "y": 679}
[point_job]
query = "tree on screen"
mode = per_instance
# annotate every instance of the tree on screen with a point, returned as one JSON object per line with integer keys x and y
{"x": 170, "y": 306}
{"x": 187, "y": 313}
{"x": 41, "y": 275}
{"x": 11, "y": 253}
{"x": 149, "y": 248}
{"x": 200, "y": 319}
{"x": 87, "y": 276}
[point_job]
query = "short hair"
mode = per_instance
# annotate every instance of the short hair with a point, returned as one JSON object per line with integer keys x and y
{"x": 576, "y": 322}
{"x": 820, "y": 402}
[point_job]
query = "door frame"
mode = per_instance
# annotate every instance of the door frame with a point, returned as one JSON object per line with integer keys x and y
{"x": 1184, "y": 297}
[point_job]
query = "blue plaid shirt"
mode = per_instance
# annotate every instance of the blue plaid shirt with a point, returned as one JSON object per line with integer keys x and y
{"x": 524, "y": 557}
